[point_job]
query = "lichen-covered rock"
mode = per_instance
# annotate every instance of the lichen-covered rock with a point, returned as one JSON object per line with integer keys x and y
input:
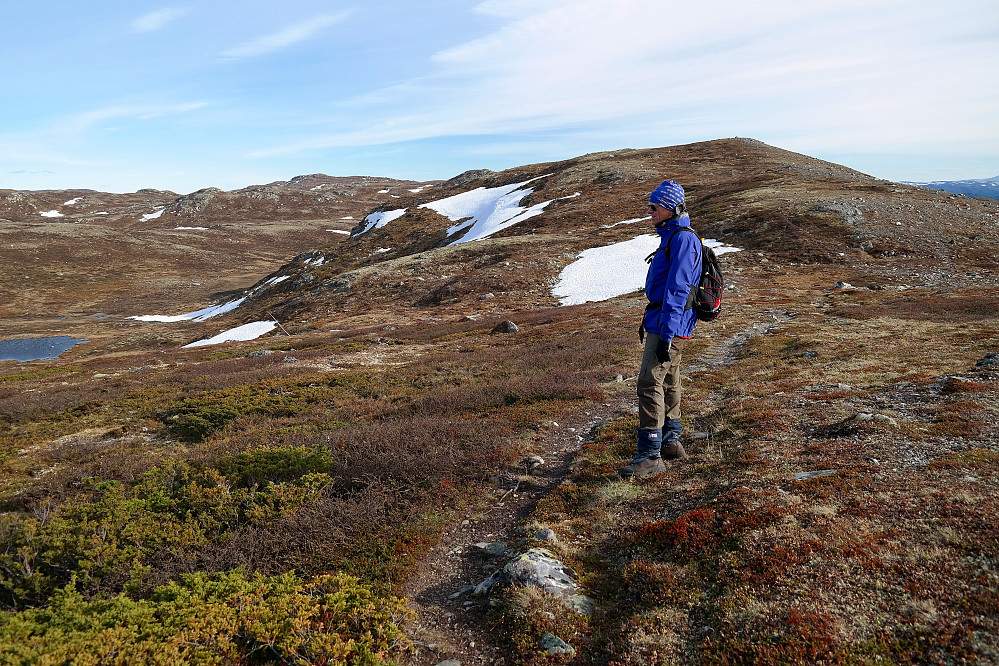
{"x": 553, "y": 645}
{"x": 538, "y": 567}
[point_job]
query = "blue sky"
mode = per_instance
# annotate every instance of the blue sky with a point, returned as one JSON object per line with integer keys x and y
{"x": 116, "y": 96}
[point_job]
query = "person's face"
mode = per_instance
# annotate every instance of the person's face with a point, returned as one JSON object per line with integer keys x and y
{"x": 659, "y": 214}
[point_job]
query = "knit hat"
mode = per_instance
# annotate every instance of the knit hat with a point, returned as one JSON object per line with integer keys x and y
{"x": 669, "y": 195}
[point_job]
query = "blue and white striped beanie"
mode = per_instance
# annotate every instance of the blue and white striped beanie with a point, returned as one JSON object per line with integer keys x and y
{"x": 669, "y": 195}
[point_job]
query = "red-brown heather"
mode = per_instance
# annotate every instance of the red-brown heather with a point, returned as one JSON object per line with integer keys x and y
{"x": 387, "y": 431}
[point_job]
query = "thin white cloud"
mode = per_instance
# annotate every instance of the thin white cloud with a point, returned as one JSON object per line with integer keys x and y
{"x": 282, "y": 39}
{"x": 685, "y": 71}
{"x": 156, "y": 20}
{"x": 83, "y": 121}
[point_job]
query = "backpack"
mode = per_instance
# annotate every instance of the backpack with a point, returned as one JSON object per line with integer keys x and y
{"x": 705, "y": 296}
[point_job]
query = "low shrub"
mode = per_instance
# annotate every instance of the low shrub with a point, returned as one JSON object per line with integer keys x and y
{"x": 224, "y": 618}
{"x": 277, "y": 465}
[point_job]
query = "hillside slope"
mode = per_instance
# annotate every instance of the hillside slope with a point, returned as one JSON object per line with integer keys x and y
{"x": 340, "y": 471}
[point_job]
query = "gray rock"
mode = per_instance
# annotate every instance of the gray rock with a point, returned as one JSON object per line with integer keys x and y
{"x": 450, "y": 662}
{"x": 804, "y": 476}
{"x": 506, "y": 326}
{"x": 583, "y": 604}
{"x": 546, "y": 535}
{"x": 619, "y": 378}
{"x": 990, "y": 360}
{"x": 533, "y": 462}
{"x": 553, "y": 645}
{"x": 880, "y": 418}
{"x": 493, "y": 549}
{"x": 466, "y": 177}
{"x": 537, "y": 567}
{"x": 461, "y": 590}
{"x": 850, "y": 213}
{"x": 843, "y": 285}
{"x": 261, "y": 352}
{"x": 486, "y": 297}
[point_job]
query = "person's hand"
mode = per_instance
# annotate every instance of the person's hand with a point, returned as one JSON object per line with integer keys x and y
{"x": 662, "y": 350}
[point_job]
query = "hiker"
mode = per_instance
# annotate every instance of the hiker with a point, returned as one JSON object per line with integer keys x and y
{"x": 667, "y": 323}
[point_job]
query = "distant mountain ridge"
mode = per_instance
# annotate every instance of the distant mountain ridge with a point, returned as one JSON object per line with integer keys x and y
{"x": 980, "y": 187}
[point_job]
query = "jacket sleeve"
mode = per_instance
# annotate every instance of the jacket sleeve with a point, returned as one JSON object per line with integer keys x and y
{"x": 683, "y": 271}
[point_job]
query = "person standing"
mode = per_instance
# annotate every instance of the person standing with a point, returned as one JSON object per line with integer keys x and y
{"x": 669, "y": 320}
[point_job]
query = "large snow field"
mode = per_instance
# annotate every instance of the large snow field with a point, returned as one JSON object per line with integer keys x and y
{"x": 602, "y": 273}
{"x": 486, "y": 210}
{"x": 250, "y": 331}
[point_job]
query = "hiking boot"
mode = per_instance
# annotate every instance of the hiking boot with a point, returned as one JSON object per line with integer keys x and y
{"x": 673, "y": 451}
{"x": 642, "y": 467}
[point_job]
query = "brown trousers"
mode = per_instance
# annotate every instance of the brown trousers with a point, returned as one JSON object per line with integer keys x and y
{"x": 659, "y": 385}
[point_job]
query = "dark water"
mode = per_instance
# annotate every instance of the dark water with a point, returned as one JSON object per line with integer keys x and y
{"x": 36, "y": 349}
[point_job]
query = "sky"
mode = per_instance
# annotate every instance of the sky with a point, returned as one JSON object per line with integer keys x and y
{"x": 117, "y": 96}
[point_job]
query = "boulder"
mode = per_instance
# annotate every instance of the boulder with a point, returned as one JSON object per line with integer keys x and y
{"x": 506, "y": 326}
{"x": 553, "y": 645}
{"x": 990, "y": 360}
{"x": 538, "y": 567}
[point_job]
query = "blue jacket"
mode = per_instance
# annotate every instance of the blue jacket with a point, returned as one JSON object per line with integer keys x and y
{"x": 669, "y": 281}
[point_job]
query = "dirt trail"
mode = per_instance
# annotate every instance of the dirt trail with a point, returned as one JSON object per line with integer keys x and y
{"x": 451, "y": 623}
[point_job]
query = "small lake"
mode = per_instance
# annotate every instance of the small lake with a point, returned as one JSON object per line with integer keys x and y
{"x": 37, "y": 349}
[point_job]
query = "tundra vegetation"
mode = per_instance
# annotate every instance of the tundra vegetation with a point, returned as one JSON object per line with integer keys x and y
{"x": 267, "y": 501}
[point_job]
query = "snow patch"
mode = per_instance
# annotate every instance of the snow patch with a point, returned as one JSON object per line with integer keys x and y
{"x": 602, "y": 273}
{"x": 632, "y": 221}
{"x": 380, "y": 219}
{"x": 72, "y": 202}
{"x": 52, "y": 213}
{"x": 191, "y": 229}
{"x": 383, "y": 191}
{"x": 212, "y": 310}
{"x": 719, "y": 247}
{"x": 338, "y": 231}
{"x": 250, "y": 331}
{"x": 103, "y": 212}
{"x": 349, "y": 217}
{"x": 153, "y": 215}
{"x": 383, "y": 250}
{"x": 484, "y": 211}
